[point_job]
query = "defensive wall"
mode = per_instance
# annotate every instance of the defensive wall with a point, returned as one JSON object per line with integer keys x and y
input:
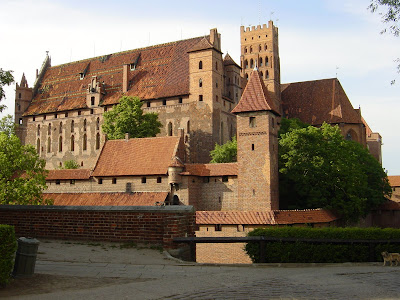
{"x": 153, "y": 225}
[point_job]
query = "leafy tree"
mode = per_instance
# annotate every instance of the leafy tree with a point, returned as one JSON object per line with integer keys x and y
{"x": 225, "y": 153}
{"x": 391, "y": 17}
{"x": 7, "y": 125}
{"x": 288, "y": 125}
{"x": 22, "y": 173}
{"x": 128, "y": 117}
{"x": 6, "y": 78}
{"x": 319, "y": 169}
{"x": 70, "y": 164}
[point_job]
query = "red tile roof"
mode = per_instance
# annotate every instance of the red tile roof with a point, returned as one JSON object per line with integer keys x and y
{"x": 277, "y": 217}
{"x": 107, "y": 199}
{"x": 141, "y": 156}
{"x": 68, "y": 174}
{"x": 389, "y": 205}
{"x": 204, "y": 44}
{"x": 162, "y": 71}
{"x": 226, "y": 169}
{"x": 229, "y": 61}
{"x": 318, "y": 101}
{"x": 394, "y": 180}
{"x": 255, "y": 96}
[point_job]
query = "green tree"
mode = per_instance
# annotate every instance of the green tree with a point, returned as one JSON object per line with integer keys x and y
{"x": 6, "y": 78}
{"x": 225, "y": 153}
{"x": 128, "y": 117}
{"x": 319, "y": 169}
{"x": 22, "y": 173}
{"x": 70, "y": 164}
{"x": 7, "y": 125}
{"x": 390, "y": 16}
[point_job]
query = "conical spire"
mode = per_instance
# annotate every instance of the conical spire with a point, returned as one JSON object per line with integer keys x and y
{"x": 255, "y": 96}
{"x": 24, "y": 82}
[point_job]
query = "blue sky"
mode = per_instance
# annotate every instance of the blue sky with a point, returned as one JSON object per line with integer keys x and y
{"x": 316, "y": 37}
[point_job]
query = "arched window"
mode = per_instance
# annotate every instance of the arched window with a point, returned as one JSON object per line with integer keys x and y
{"x": 38, "y": 146}
{"x": 60, "y": 144}
{"x": 60, "y": 131}
{"x": 266, "y": 74}
{"x": 49, "y": 129}
{"x": 84, "y": 142}
{"x": 216, "y": 65}
{"x": 251, "y": 63}
{"x": 262, "y": 75}
{"x": 97, "y": 141}
{"x": 260, "y": 62}
{"x": 72, "y": 125}
{"x": 265, "y": 47}
{"x": 84, "y": 125}
{"x": 351, "y": 135}
{"x": 48, "y": 145}
{"x": 247, "y": 76}
{"x": 246, "y": 64}
{"x": 266, "y": 61}
{"x": 98, "y": 124}
{"x": 245, "y": 49}
{"x": 259, "y": 48}
{"x": 200, "y": 65}
{"x": 169, "y": 129}
{"x": 200, "y": 82}
{"x": 38, "y": 130}
{"x": 251, "y": 49}
{"x": 188, "y": 127}
{"x": 72, "y": 143}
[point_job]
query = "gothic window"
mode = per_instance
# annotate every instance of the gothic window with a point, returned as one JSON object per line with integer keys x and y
{"x": 216, "y": 65}
{"x": 200, "y": 82}
{"x": 251, "y": 49}
{"x": 48, "y": 145}
{"x": 97, "y": 141}
{"x": 251, "y": 63}
{"x": 38, "y": 130}
{"x": 262, "y": 74}
{"x": 38, "y": 146}
{"x": 265, "y": 47}
{"x": 246, "y": 64}
{"x": 60, "y": 144}
{"x": 169, "y": 129}
{"x": 266, "y": 61}
{"x": 259, "y": 48}
{"x": 247, "y": 76}
{"x": 72, "y": 125}
{"x": 60, "y": 130}
{"x": 200, "y": 65}
{"x": 188, "y": 127}
{"x": 72, "y": 143}
{"x": 49, "y": 129}
{"x": 245, "y": 49}
{"x": 84, "y": 125}
{"x": 98, "y": 124}
{"x": 252, "y": 122}
{"x": 85, "y": 142}
{"x": 261, "y": 61}
{"x": 266, "y": 74}
{"x": 19, "y": 95}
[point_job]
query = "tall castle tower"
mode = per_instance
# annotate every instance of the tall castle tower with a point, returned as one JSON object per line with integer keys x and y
{"x": 23, "y": 97}
{"x": 260, "y": 48}
{"x": 257, "y": 153}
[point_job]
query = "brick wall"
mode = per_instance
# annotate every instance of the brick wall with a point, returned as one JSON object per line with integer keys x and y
{"x": 154, "y": 225}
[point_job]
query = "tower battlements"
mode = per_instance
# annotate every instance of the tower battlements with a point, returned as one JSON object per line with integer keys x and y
{"x": 263, "y": 27}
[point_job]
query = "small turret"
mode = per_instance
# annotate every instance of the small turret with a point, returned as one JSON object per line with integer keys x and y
{"x": 23, "y": 97}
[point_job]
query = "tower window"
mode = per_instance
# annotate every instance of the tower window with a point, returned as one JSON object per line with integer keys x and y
{"x": 91, "y": 111}
{"x": 144, "y": 179}
{"x": 252, "y": 122}
{"x": 84, "y": 125}
{"x": 72, "y": 143}
{"x": 60, "y": 144}
{"x": 72, "y": 125}
{"x": 97, "y": 141}
{"x": 114, "y": 180}
{"x": 98, "y": 124}
{"x": 19, "y": 96}
{"x": 251, "y": 49}
{"x": 19, "y": 106}
{"x": 66, "y": 115}
{"x": 164, "y": 102}
{"x": 169, "y": 129}
{"x": 216, "y": 65}
{"x": 79, "y": 112}
{"x": 100, "y": 181}
{"x": 266, "y": 74}
{"x": 49, "y": 129}
{"x": 159, "y": 179}
{"x": 180, "y": 100}
{"x": 200, "y": 97}
{"x": 85, "y": 142}
{"x": 55, "y": 116}
{"x": 58, "y": 181}
{"x": 216, "y": 98}
{"x": 148, "y": 103}
{"x": 246, "y": 64}
{"x": 266, "y": 61}
{"x": 60, "y": 129}
{"x": 200, "y": 82}
{"x": 92, "y": 101}
{"x": 251, "y": 63}
{"x": 261, "y": 61}
{"x": 200, "y": 65}
{"x": 245, "y": 49}
{"x": 48, "y": 145}
{"x": 252, "y": 147}
{"x": 20, "y": 121}
{"x": 38, "y": 130}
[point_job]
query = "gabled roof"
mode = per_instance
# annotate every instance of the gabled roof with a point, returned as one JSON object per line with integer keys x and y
{"x": 255, "y": 96}
{"x": 228, "y": 61}
{"x": 226, "y": 169}
{"x": 276, "y": 217}
{"x": 394, "y": 180}
{"x": 318, "y": 101}
{"x": 68, "y": 174}
{"x": 161, "y": 71}
{"x": 204, "y": 44}
{"x": 140, "y": 156}
{"x": 107, "y": 199}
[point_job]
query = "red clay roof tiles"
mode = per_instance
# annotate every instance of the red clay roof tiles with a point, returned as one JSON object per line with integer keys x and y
{"x": 107, "y": 199}
{"x": 162, "y": 71}
{"x": 140, "y": 156}
{"x": 394, "y": 180}
{"x": 226, "y": 169}
{"x": 318, "y": 101}
{"x": 255, "y": 96}
{"x": 68, "y": 174}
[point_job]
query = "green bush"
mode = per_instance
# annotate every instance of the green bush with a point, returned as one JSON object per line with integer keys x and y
{"x": 301, "y": 252}
{"x": 8, "y": 246}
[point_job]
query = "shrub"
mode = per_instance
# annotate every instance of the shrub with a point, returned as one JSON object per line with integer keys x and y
{"x": 301, "y": 252}
{"x": 8, "y": 246}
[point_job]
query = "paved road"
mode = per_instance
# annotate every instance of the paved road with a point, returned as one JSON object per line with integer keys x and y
{"x": 118, "y": 279}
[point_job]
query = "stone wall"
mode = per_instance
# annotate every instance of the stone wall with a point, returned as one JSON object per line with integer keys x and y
{"x": 153, "y": 225}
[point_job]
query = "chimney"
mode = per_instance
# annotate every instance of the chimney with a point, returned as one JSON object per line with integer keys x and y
{"x": 125, "y": 78}
{"x": 214, "y": 38}
{"x": 127, "y": 136}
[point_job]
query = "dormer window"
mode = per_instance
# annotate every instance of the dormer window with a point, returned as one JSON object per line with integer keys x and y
{"x": 133, "y": 67}
{"x": 81, "y": 76}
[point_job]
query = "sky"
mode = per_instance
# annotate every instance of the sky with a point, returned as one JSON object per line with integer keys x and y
{"x": 317, "y": 39}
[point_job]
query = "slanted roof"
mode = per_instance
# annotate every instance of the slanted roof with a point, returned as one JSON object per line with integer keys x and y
{"x": 107, "y": 199}
{"x": 228, "y": 61}
{"x": 389, "y": 205}
{"x": 162, "y": 71}
{"x": 255, "y": 96}
{"x": 140, "y": 156}
{"x": 204, "y": 44}
{"x": 276, "y": 217}
{"x": 394, "y": 180}
{"x": 225, "y": 169}
{"x": 318, "y": 101}
{"x": 77, "y": 174}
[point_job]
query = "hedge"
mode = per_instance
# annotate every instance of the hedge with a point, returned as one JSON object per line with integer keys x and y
{"x": 301, "y": 252}
{"x": 8, "y": 246}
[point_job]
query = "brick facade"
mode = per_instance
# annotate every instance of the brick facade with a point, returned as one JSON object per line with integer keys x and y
{"x": 153, "y": 225}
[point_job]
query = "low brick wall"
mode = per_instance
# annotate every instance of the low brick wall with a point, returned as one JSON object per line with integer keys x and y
{"x": 154, "y": 225}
